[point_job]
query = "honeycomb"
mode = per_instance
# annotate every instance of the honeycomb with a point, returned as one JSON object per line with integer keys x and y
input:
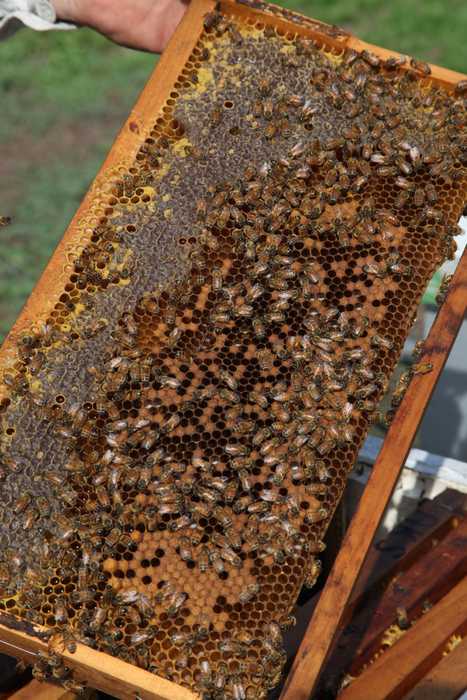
{"x": 176, "y": 435}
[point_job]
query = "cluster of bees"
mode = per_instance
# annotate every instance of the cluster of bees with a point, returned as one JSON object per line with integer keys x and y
{"x": 228, "y": 406}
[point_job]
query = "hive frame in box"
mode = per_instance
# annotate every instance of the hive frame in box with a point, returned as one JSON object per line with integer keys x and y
{"x": 26, "y": 641}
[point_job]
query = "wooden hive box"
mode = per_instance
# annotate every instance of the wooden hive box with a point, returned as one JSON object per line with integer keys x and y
{"x": 173, "y": 299}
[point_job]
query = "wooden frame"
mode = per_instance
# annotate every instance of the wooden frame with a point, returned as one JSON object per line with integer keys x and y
{"x": 112, "y": 675}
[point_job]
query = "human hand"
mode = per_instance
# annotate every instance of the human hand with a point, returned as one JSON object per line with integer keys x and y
{"x": 138, "y": 24}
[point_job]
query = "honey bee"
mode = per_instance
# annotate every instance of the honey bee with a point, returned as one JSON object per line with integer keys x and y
{"x": 431, "y": 193}
{"x": 238, "y": 690}
{"x": 143, "y": 636}
{"x": 279, "y": 473}
{"x": 22, "y": 502}
{"x": 36, "y": 362}
{"x": 322, "y": 472}
{"x": 171, "y": 423}
{"x": 185, "y": 550}
{"x": 418, "y": 349}
{"x": 379, "y": 341}
{"x": 394, "y": 62}
{"x": 60, "y": 612}
{"x": 422, "y": 368}
{"x": 205, "y": 672}
{"x": 420, "y": 67}
{"x": 402, "y": 618}
{"x": 432, "y": 215}
{"x": 244, "y": 478}
{"x": 212, "y": 20}
{"x": 443, "y": 289}
{"x": 203, "y": 559}
{"x": 216, "y": 561}
{"x": 313, "y": 572}
{"x": 176, "y": 602}
{"x": 217, "y": 280}
{"x": 231, "y": 490}
{"x": 236, "y": 450}
{"x": 127, "y": 597}
{"x": 316, "y": 516}
{"x": 223, "y": 516}
{"x": 253, "y": 508}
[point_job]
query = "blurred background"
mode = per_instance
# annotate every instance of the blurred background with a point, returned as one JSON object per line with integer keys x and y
{"x": 64, "y": 96}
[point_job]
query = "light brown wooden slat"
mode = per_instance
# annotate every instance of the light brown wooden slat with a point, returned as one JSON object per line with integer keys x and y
{"x": 398, "y": 670}
{"x": 42, "y": 691}
{"x": 329, "y": 613}
{"x": 99, "y": 670}
{"x": 447, "y": 680}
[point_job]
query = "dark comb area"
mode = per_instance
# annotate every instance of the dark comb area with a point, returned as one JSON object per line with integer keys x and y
{"x": 176, "y": 435}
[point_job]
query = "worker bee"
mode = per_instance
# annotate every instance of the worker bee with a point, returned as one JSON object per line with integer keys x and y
{"x": 279, "y": 473}
{"x": 171, "y": 423}
{"x": 205, "y": 673}
{"x": 273, "y": 634}
{"x": 30, "y": 516}
{"x": 244, "y": 478}
{"x": 374, "y": 270}
{"x": 431, "y": 193}
{"x": 255, "y": 508}
{"x": 212, "y": 20}
{"x": 379, "y": 341}
{"x": 394, "y": 62}
{"x": 43, "y": 506}
{"x": 443, "y": 288}
{"x": 319, "y": 466}
{"x": 216, "y": 561}
{"x": 223, "y": 516}
{"x": 422, "y": 368}
{"x": 22, "y": 502}
{"x": 127, "y": 597}
{"x": 402, "y": 618}
{"x": 203, "y": 559}
{"x": 176, "y": 603}
{"x": 420, "y": 67}
{"x": 142, "y": 636}
{"x": 60, "y": 612}
{"x": 316, "y": 516}
{"x": 432, "y": 215}
{"x": 185, "y": 551}
{"x": 259, "y": 328}
{"x": 313, "y": 572}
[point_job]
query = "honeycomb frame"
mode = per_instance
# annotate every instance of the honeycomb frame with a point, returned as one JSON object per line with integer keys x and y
{"x": 113, "y": 183}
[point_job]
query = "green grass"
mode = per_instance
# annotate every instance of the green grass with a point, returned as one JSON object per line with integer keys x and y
{"x": 49, "y": 77}
{"x": 64, "y": 95}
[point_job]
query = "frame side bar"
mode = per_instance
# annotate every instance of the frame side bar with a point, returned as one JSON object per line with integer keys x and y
{"x": 330, "y": 610}
{"x": 97, "y": 669}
